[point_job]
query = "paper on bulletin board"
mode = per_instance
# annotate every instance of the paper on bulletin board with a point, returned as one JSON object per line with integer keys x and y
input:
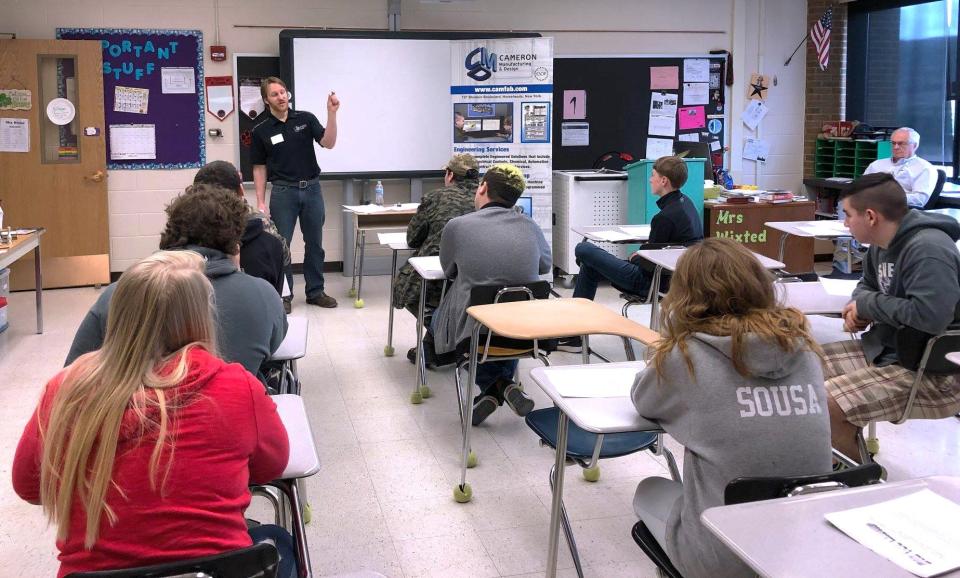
{"x": 664, "y": 78}
{"x": 251, "y": 104}
{"x": 695, "y": 93}
{"x": 177, "y": 80}
{"x": 663, "y": 114}
{"x": 574, "y": 104}
{"x": 756, "y": 150}
{"x": 692, "y": 117}
{"x": 574, "y": 134}
{"x": 696, "y": 70}
{"x": 130, "y": 99}
{"x": 133, "y": 141}
{"x": 754, "y": 113}
{"x": 690, "y": 137}
{"x": 659, "y": 147}
{"x": 714, "y": 146}
{"x": 15, "y": 99}
{"x": 14, "y": 135}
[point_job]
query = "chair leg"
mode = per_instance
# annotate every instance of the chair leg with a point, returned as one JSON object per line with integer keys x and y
{"x": 661, "y": 450}
{"x": 268, "y": 492}
{"x": 628, "y": 349}
{"x": 567, "y": 528}
{"x": 872, "y": 442}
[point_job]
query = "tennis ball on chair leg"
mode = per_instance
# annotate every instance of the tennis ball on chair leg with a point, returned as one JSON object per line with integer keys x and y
{"x": 462, "y": 494}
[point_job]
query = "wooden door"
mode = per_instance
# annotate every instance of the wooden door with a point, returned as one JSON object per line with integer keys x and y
{"x": 60, "y": 183}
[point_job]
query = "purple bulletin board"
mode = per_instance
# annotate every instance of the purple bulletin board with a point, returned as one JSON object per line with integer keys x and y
{"x": 135, "y": 58}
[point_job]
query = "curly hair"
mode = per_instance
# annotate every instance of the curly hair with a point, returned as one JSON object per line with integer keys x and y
{"x": 207, "y": 216}
{"x": 220, "y": 173}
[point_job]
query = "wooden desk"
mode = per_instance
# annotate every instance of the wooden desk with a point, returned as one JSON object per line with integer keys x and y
{"x": 373, "y": 218}
{"x": 745, "y": 223}
{"x": 790, "y": 536}
{"x": 11, "y": 251}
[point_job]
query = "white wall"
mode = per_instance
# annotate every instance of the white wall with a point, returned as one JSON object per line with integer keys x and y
{"x": 760, "y": 33}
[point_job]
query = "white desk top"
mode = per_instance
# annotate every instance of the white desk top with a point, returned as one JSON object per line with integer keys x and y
{"x": 615, "y": 234}
{"x": 372, "y": 209}
{"x": 303, "y": 461}
{"x": 790, "y": 536}
{"x": 667, "y": 258}
{"x": 812, "y": 298}
{"x": 294, "y": 344}
{"x": 396, "y": 241}
{"x": 601, "y": 415}
{"x": 824, "y": 229}
{"x": 954, "y": 357}
{"x": 427, "y": 267}
{"x": 955, "y": 213}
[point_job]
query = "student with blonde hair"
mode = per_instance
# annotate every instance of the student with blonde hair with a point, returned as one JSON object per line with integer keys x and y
{"x": 737, "y": 380}
{"x": 142, "y": 452}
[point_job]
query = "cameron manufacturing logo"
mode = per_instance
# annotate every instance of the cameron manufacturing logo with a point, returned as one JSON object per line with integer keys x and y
{"x": 480, "y": 64}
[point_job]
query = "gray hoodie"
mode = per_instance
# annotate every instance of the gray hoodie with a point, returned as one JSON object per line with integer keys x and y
{"x": 915, "y": 282}
{"x": 774, "y": 423}
{"x": 250, "y": 319}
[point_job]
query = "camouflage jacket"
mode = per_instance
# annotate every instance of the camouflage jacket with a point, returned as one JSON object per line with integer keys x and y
{"x": 436, "y": 208}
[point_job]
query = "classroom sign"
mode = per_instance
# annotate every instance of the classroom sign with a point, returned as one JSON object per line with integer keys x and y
{"x": 502, "y": 95}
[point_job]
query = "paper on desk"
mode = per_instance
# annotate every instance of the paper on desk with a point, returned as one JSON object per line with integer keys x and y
{"x": 917, "y": 532}
{"x": 839, "y": 287}
{"x": 391, "y": 238}
{"x": 612, "y": 236}
{"x": 599, "y": 382}
{"x": 636, "y": 230}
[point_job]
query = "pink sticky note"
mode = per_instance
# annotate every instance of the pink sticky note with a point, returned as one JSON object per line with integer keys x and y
{"x": 574, "y": 104}
{"x": 691, "y": 117}
{"x": 664, "y": 78}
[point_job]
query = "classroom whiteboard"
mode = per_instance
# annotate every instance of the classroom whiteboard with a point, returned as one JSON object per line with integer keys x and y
{"x": 396, "y": 115}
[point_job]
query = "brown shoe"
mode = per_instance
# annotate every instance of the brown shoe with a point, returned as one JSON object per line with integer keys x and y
{"x": 322, "y": 300}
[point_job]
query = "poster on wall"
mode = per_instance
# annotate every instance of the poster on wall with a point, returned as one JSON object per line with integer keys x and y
{"x": 502, "y": 95}
{"x": 151, "y": 78}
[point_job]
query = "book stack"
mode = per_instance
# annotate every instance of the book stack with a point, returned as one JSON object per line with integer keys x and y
{"x": 776, "y": 196}
{"x": 736, "y": 197}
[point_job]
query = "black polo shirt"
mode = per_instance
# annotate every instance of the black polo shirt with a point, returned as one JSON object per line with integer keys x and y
{"x": 287, "y": 147}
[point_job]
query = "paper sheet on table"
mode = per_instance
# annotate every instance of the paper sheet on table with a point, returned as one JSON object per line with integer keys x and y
{"x": 918, "y": 532}
{"x": 659, "y": 147}
{"x": 664, "y": 77}
{"x": 828, "y": 228}
{"x": 696, "y": 70}
{"x": 637, "y": 230}
{"x": 392, "y": 238}
{"x": 612, "y": 236}
{"x": 599, "y": 382}
{"x": 839, "y": 287}
{"x": 371, "y": 208}
{"x": 695, "y": 93}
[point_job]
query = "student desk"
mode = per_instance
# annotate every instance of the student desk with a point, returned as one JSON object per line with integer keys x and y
{"x": 429, "y": 269}
{"x": 953, "y": 357}
{"x": 368, "y": 218}
{"x": 292, "y": 348}
{"x": 613, "y": 234}
{"x": 540, "y": 319}
{"x": 12, "y": 250}
{"x": 599, "y": 415}
{"x": 302, "y": 463}
{"x": 747, "y": 223}
{"x": 396, "y": 242}
{"x": 666, "y": 259}
{"x": 790, "y": 536}
{"x": 823, "y": 229}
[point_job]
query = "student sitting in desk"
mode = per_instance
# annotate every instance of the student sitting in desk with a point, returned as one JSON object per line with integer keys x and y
{"x": 736, "y": 379}
{"x": 437, "y": 207}
{"x": 142, "y": 452}
{"x": 495, "y": 245}
{"x": 678, "y": 222}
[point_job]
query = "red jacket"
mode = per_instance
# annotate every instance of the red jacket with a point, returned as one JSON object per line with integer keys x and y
{"x": 228, "y": 435}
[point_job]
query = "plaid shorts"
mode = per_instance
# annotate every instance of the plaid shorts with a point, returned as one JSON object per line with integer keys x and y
{"x": 867, "y": 393}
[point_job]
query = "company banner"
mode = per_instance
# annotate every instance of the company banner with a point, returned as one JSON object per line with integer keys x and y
{"x": 502, "y": 93}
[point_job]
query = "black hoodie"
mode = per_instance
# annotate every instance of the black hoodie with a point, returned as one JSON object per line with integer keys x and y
{"x": 261, "y": 254}
{"x": 915, "y": 282}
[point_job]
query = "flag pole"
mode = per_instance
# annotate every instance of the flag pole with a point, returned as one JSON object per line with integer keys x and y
{"x": 787, "y": 63}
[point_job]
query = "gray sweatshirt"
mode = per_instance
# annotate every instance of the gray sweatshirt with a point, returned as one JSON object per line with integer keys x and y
{"x": 250, "y": 319}
{"x": 772, "y": 424}
{"x": 915, "y": 282}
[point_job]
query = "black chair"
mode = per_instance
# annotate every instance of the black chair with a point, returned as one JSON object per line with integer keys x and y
{"x": 924, "y": 354}
{"x": 743, "y": 490}
{"x": 257, "y": 561}
{"x": 934, "y": 200}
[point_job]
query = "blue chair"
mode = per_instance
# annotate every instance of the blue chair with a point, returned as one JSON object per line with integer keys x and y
{"x": 257, "y": 561}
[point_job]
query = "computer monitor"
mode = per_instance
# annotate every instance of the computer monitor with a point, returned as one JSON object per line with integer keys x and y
{"x": 695, "y": 150}
{"x": 472, "y": 125}
{"x": 491, "y": 124}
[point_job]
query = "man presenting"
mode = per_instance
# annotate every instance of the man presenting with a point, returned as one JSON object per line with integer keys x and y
{"x": 282, "y": 152}
{"x": 915, "y": 175}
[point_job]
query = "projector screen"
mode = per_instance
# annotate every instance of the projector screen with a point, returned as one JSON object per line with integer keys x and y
{"x": 395, "y": 117}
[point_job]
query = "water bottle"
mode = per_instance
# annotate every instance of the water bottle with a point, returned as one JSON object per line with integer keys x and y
{"x": 378, "y": 191}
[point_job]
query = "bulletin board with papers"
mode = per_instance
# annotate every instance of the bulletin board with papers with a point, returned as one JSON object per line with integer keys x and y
{"x": 153, "y": 96}
{"x": 640, "y": 105}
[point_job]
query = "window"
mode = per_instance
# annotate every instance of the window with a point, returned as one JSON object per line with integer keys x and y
{"x": 902, "y": 71}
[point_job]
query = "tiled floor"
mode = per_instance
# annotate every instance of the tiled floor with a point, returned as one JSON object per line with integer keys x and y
{"x": 383, "y": 498}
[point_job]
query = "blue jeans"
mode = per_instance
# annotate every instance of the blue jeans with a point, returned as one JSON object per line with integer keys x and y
{"x": 597, "y": 265}
{"x": 488, "y": 373}
{"x": 286, "y": 205}
{"x": 284, "y": 543}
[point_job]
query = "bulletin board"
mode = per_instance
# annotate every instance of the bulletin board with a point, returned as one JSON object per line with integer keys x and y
{"x": 605, "y": 105}
{"x": 153, "y": 96}
{"x": 249, "y": 70}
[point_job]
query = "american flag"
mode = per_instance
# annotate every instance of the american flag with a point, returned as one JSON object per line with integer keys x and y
{"x": 820, "y": 33}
